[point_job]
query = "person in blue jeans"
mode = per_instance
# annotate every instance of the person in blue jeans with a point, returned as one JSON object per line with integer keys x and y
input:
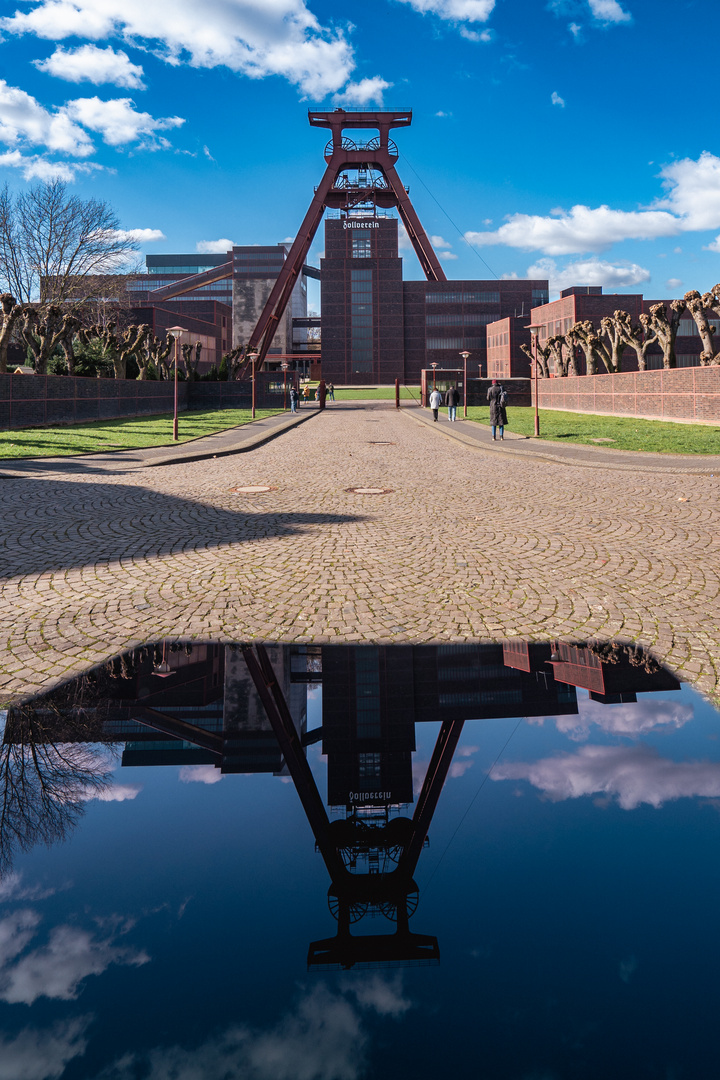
{"x": 293, "y": 399}
{"x": 452, "y": 400}
{"x": 497, "y": 395}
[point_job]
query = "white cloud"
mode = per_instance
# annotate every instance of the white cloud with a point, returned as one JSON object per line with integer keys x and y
{"x": 448, "y": 255}
{"x": 579, "y": 230}
{"x": 588, "y": 272}
{"x": 42, "y": 1053}
{"x": 693, "y": 191}
{"x": 117, "y": 120}
{"x": 673, "y": 284}
{"x": 12, "y": 888}
{"x": 37, "y": 167}
{"x": 458, "y": 11}
{"x": 88, "y": 63}
{"x": 609, "y": 11}
{"x": 714, "y": 246}
{"x": 113, "y": 793}
{"x": 365, "y": 92}
{"x": 254, "y": 37}
{"x": 575, "y": 30}
{"x": 54, "y": 970}
{"x": 199, "y": 774}
{"x": 557, "y": 100}
{"x": 632, "y": 718}
{"x": 214, "y": 247}
{"x": 475, "y": 35}
{"x": 443, "y": 114}
{"x": 633, "y": 775}
{"x": 141, "y": 236}
{"x": 439, "y": 242}
{"x": 24, "y": 121}
{"x": 322, "y": 1038}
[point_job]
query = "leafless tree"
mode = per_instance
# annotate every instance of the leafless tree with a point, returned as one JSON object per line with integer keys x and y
{"x": 44, "y": 329}
{"x": 639, "y": 336}
{"x": 154, "y": 352}
{"x": 51, "y": 762}
{"x": 664, "y": 322}
{"x": 191, "y": 359}
{"x": 119, "y": 345}
{"x": 584, "y": 334}
{"x": 49, "y": 240}
{"x": 612, "y": 328}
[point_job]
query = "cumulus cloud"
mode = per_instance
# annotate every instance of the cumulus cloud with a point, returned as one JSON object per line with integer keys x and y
{"x": 322, "y": 1038}
{"x": 214, "y": 247}
{"x": 118, "y": 122}
{"x": 630, "y": 774}
{"x": 88, "y": 63}
{"x": 24, "y": 121}
{"x": 557, "y": 100}
{"x": 141, "y": 236}
{"x": 439, "y": 242}
{"x": 673, "y": 284}
{"x": 252, "y": 37}
{"x": 365, "y": 92}
{"x": 588, "y": 272}
{"x": 457, "y": 11}
{"x": 56, "y": 969}
{"x": 42, "y": 1053}
{"x": 115, "y": 792}
{"x": 632, "y": 718}
{"x": 448, "y": 255}
{"x": 12, "y": 888}
{"x": 199, "y": 774}
{"x": 609, "y": 11}
{"x": 691, "y": 204}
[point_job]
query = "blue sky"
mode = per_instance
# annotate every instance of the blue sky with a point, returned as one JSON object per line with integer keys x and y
{"x": 566, "y": 139}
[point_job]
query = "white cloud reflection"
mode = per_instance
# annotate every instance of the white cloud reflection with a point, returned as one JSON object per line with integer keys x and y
{"x": 322, "y": 1038}
{"x": 42, "y": 1054}
{"x": 632, "y": 718}
{"x": 630, "y": 774}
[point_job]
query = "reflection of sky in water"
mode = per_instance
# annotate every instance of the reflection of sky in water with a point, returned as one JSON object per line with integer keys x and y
{"x": 574, "y": 896}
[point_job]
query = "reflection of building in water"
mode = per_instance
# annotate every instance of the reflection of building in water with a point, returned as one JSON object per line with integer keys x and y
{"x": 207, "y": 688}
{"x": 611, "y": 672}
{"x": 374, "y": 695}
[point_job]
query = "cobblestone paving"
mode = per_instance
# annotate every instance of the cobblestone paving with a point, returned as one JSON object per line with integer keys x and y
{"x": 469, "y": 544}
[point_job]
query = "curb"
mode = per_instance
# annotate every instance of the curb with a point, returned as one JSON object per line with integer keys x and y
{"x": 579, "y": 463}
{"x": 248, "y": 444}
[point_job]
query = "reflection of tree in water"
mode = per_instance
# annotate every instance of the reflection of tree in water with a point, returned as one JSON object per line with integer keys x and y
{"x": 51, "y": 763}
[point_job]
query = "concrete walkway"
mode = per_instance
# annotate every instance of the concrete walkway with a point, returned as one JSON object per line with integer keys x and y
{"x": 468, "y": 541}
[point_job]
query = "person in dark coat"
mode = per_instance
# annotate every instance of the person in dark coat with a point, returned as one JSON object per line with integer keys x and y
{"x": 452, "y": 400}
{"x": 293, "y": 399}
{"x": 498, "y": 416}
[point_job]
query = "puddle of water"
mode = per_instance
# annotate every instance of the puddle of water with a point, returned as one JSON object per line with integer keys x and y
{"x": 357, "y": 862}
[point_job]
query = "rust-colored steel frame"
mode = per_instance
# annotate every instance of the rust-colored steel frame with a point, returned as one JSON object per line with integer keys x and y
{"x": 341, "y": 157}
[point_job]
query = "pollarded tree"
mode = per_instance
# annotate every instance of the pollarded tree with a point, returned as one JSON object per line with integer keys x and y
{"x": 44, "y": 330}
{"x": 154, "y": 352}
{"x": 664, "y": 322}
{"x": 639, "y": 336}
{"x": 10, "y": 312}
{"x": 611, "y": 327}
{"x": 543, "y": 355}
{"x": 698, "y": 306}
{"x": 118, "y": 346}
{"x": 558, "y": 354}
{"x": 584, "y": 334}
{"x": 191, "y": 359}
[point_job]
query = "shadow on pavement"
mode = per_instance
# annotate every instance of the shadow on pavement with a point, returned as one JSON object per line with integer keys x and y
{"x": 62, "y": 524}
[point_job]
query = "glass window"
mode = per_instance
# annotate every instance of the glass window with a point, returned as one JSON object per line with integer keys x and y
{"x": 361, "y": 247}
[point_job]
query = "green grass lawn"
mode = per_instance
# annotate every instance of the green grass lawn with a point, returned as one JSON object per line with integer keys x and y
{"x": 99, "y": 435}
{"x": 623, "y": 433}
{"x": 379, "y": 393}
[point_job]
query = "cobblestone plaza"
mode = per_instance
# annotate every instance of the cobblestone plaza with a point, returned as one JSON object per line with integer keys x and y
{"x": 467, "y": 542}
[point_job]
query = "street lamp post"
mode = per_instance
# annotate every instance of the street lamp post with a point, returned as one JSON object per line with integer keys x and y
{"x": 465, "y": 355}
{"x": 284, "y": 367}
{"x": 176, "y": 331}
{"x": 433, "y": 366}
{"x": 252, "y": 356}
{"x": 534, "y": 329}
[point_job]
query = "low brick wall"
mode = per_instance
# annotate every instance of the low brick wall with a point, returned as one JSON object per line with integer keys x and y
{"x": 518, "y": 390}
{"x": 42, "y": 400}
{"x": 39, "y": 400}
{"x": 683, "y": 394}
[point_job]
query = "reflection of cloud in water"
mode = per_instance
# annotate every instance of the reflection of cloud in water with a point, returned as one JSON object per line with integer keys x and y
{"x": 630, "y": 718}
{"x": 114, "y": 793}
{"x": 632, "y": 774}
{"x": 322, "y": 1038}
{"x": 199, "y": 774}
{"x": 461, "y": 763}
{"x": 627, "y": 968}
{"x": 42, "y": 1053}
{"x": 12, "y": 889}
{"x": 54, "y": 970}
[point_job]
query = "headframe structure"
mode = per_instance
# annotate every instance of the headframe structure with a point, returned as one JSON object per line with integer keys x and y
{"x": 337, "y": 191}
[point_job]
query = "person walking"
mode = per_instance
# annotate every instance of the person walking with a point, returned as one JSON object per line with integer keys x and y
{"x": 331, "y": 391}
{"x": 306, "y": 392}
{"x": 435, "y": 403}
{"x": 497, "y": 396}
{"x": 293, "y": 399}
{"x": 452, "y": 400}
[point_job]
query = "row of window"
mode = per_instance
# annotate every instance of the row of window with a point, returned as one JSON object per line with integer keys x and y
{"x": 454, "y": 343}
{"x": 467, "y": 319}
{"x": 361, "y": 282}
{"x": 462, "y": 298}
{"x": 498, "y": 339}
{"x": 361, "y": 247}
{"x": 180, "y": 269}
